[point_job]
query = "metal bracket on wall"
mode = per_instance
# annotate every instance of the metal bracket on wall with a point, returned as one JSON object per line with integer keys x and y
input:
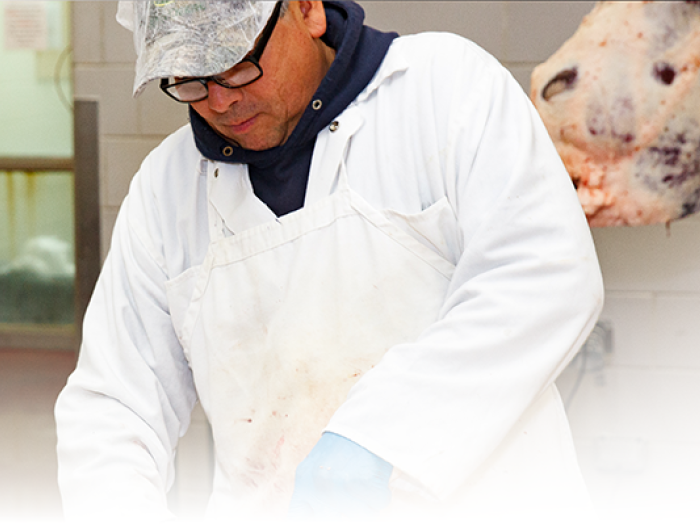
{"x": 592, "y": 357}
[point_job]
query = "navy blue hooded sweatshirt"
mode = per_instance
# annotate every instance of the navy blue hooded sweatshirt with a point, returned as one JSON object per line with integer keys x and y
{"x": 279, "y": 175}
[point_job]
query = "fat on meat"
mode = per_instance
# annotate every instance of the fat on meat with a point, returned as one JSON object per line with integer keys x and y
{"x": 621, "y": 101}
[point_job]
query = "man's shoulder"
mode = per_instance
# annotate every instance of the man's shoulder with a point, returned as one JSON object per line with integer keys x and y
{"x": 172, "y": 167}
{"x": 441, "y": 46}
{"x": 177, "y": 145}
{"x": 436, "y": 60}
{"x": 176, "y": 152}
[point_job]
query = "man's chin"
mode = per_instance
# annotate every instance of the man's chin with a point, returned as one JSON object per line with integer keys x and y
{"x": 253, "y": 143}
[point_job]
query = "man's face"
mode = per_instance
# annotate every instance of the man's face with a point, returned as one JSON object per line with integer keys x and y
{"x": 263, "y": 114}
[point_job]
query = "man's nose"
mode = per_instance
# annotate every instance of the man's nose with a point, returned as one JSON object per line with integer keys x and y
{"x": 221, "y": 98}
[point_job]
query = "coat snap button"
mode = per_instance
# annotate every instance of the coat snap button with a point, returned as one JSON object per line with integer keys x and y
{"x": 334, "y": 126}
{"x": 317, "y": 104}
{"x": 228, "y": 151}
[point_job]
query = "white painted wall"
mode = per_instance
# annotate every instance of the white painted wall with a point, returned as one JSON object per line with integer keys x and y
{"x": 35, "y": 121}
{"x": 634, "y": 417}
{"x": 34, "y": 90}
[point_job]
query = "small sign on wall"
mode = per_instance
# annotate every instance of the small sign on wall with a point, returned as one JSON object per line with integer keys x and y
{"x": 26, "y": 25}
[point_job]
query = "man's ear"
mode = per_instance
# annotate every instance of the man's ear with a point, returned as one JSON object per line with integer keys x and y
{"x": 314, "y": 16}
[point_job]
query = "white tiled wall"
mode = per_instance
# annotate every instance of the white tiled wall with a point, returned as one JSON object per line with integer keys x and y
{"x": 634, "y": 415}
{"x": 104, "y": 70}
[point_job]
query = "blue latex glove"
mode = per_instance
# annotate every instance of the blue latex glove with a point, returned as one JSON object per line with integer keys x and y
{"x": 340, "y": 479}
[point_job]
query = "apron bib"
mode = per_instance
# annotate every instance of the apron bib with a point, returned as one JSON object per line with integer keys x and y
{"x": 282, "y": 318}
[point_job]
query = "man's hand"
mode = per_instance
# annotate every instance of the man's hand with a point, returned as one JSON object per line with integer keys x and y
{"x": 340, "y": 479}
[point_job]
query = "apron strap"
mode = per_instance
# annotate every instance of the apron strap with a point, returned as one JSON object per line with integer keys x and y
{"x": 329, "y": 155}
{"x": 216, "y": 223}
{"x": 233, "y": 205}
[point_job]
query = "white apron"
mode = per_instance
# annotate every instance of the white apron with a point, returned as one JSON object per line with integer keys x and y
{"x": 285, "y": 315}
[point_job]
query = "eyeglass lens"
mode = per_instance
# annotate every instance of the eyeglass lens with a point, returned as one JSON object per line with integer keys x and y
{"x": 190, "y": 90}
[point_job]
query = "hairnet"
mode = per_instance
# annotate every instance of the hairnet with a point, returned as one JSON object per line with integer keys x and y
{"x": 191, "y": 38}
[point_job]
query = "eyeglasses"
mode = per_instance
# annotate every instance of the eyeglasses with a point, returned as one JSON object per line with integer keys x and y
{"x": 242, "y": 74}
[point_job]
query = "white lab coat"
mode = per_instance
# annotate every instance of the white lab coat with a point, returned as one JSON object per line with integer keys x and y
{"x": 449, "y": 149}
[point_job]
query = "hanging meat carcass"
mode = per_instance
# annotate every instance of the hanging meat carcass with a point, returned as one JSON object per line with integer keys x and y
{"x": 621, "y": 101}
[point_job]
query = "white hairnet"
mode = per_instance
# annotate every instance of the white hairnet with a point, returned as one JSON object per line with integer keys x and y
{"x": 191, "y": 38}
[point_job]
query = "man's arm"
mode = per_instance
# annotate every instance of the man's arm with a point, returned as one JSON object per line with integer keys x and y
{"x": 130, "y": 398}
{"x": 526, "y": 291}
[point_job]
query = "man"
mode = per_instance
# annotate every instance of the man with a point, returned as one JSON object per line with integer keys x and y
{"x": 363, "y": 257}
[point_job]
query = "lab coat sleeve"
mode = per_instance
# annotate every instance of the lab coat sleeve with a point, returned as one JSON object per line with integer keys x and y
{"x": 130, "y": 398}
{"x": 526, "y": 292}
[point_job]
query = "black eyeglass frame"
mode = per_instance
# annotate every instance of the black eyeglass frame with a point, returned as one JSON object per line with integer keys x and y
{"x": 253, "y": 58}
